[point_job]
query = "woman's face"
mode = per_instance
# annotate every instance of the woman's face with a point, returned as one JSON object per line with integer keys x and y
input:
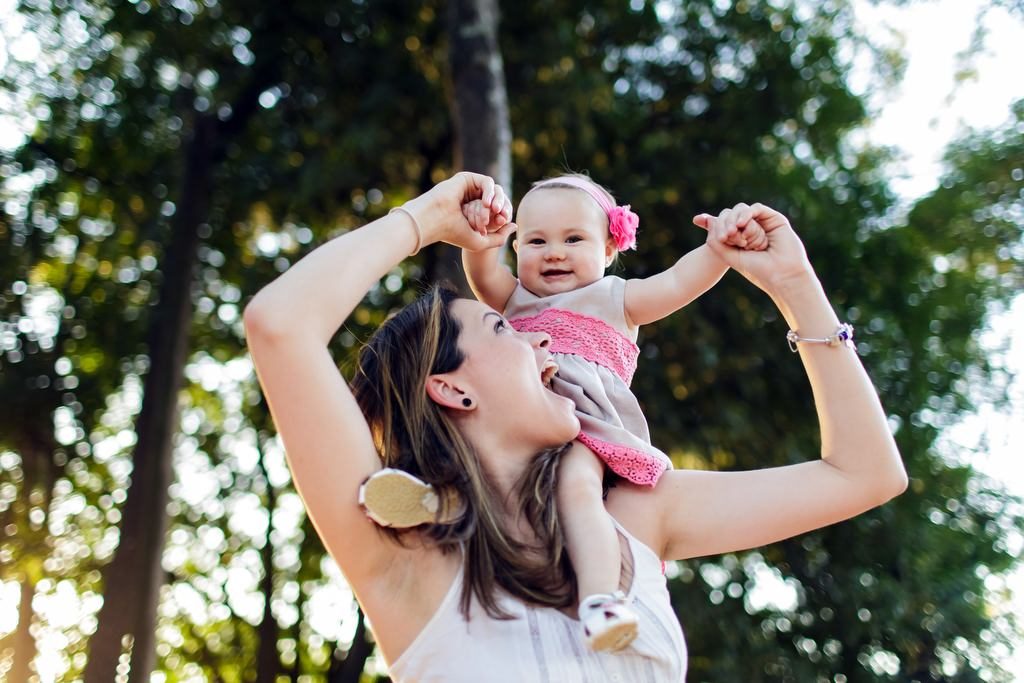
{"x": 505, "y": 373}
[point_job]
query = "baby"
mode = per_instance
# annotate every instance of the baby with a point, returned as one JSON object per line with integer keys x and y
{"x": 569, "y": 230}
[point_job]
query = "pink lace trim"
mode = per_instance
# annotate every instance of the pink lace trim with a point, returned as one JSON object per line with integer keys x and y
{"x": 636, "y": 466}
{"x": 586, "y": 336}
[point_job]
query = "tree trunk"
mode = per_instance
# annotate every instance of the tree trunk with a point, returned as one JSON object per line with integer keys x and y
{"x": 479, "y": 105}
{"x": 350, "y": 670}
{"x": 295, "y": 672}
{"x": 310, "y": 546}
{"x": 268, "y": 663}
{"x": 133, "y": 579}
{"x": 36, "y": 447}
{"x": 22, "y": 640}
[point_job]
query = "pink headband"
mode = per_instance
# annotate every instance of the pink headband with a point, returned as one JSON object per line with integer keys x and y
{"x": 622, "y": 222}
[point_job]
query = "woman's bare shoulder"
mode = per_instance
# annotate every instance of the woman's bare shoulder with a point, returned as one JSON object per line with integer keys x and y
{"x": 634, "y": 507}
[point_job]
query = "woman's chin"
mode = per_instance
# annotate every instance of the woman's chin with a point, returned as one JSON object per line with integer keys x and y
{"x": 564, "y": 410}
{"x": 573, "y": 425}
{"x": 563, "y": 402}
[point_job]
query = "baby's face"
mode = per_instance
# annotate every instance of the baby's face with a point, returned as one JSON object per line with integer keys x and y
{"x": 562, "y": 243}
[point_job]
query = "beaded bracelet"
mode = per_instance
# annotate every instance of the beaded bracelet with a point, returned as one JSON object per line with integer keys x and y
{"x": 843, "y": 335}
{"x": 415, "y": 224}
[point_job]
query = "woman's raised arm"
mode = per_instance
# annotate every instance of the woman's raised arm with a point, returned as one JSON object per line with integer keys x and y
{"x": 704, "y": 513}
{"x": 288, "y": 326}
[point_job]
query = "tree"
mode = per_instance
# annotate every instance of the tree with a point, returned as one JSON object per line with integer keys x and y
{"x": 479, "y": 104}
{"x": 128, "y": 618}
{"x": 163, "y": 101}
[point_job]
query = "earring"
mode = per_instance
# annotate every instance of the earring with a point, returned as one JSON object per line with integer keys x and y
{"x": 468, "y": 402}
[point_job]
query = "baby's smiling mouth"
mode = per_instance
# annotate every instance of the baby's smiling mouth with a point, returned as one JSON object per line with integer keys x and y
{"x": 555, "y": 273}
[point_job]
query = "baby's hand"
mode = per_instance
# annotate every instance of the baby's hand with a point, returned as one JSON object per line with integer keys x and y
{"x": 476, "y": 213}
{"x": 751, "y": 237}
{"x": 486, "y": 220}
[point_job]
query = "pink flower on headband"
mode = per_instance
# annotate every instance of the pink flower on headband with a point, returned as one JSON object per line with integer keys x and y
{"x": 622, "y": 224}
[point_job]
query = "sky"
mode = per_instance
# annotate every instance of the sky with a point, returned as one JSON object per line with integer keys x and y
{"x": 928, "y": 108}
{"x": 919, "y": 116}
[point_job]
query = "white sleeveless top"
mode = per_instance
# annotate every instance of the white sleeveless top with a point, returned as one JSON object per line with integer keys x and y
{"x": 544, "y": 645}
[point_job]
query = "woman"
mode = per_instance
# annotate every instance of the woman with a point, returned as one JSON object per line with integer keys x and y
{"x": 446, "y": 390}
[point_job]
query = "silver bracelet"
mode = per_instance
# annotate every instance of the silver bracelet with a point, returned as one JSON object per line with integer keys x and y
{"x": 415, "y": 225}
{"x": 843, "y": 335}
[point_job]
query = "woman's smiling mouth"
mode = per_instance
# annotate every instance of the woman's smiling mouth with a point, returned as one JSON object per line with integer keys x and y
{"x": 547, "y": 373}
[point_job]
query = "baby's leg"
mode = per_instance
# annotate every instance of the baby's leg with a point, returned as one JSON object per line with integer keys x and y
{"x": 590, "y": 535}
{"x": 609, "y": 623}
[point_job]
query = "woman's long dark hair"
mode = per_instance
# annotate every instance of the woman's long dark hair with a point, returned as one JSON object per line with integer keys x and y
{"x": 415, "y": 434}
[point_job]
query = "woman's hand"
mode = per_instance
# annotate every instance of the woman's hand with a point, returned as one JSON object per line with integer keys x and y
{"x": 468, "y": 210}
{"x": 781, "y": 259}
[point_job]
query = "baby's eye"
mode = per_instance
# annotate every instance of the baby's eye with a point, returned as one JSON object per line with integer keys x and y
{"x": 536, "y": 240}
{"x": 499, "y": 325}
{"x": 574, "y": 239}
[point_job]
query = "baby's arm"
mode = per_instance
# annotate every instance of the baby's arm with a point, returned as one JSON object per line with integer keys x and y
{"x": 491, "y": 281}
{"x": 660, "y": 295}
{"x": 655, "y": 297}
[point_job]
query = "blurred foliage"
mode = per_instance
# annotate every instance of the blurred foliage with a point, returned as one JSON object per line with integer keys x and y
{"x": 321, "y": 116}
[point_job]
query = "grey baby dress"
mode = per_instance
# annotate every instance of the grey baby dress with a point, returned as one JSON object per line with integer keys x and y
{"x": 596, "y": 351}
